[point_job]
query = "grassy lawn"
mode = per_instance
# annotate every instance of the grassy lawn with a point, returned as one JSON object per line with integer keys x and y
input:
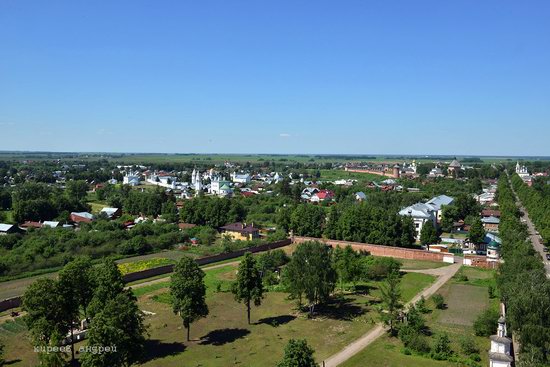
{"x": 421, "y": 264}
{"x": 225, "y": 338}
{"x": 464, "y": 300}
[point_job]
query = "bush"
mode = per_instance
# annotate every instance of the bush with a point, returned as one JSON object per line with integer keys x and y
{"x": 486, "y": 323}
{"x": 468, "y": 346}
{"x": 380, "y": 267}
{"x": 421, "y": 305}
{"x": 441, "y": 349}
{"x": 413, "y": 339}
{"x": 462, "y": 277}
{"x": 439, "y": 301}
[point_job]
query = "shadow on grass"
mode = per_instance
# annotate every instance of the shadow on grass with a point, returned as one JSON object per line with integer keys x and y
{"x": 364, "y": 289}
{"x": 223, "y": 336}
{"x": 277, "y": 320}
{"x": 157, "y": 349}
{"x": 13, "y": 361}
{"x": 340, "y": 309}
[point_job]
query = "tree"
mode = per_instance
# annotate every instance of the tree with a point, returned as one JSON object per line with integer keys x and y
{"x": 307, "y": 220}
{"x": 486, "y": 323}
{"x": 442, "y": 347}
{"x": 428, "y": 234}
{"x": 298, "y": 354}
{"x": 248, "y": 287}
{"x": 49, "y": 313}
{"x": 77, "y": 189}
{"x": 391, "y": 301}
{"x": 188, "y": 292}
{"x": 76, "y": 278}
{"x": 108, "y": 284}
{"x": 439, "y": 301}
{"x": 347, "y": 263}
{"x": 118, "y": 324}
{"x": 76, "y": 288}
{"x": 311, "y": 273}
{"x": 477, "y": 233}
{"x": 169, "y": 212}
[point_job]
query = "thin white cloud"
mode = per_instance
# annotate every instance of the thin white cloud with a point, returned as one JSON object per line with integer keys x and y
{"x": 284, "y": 135}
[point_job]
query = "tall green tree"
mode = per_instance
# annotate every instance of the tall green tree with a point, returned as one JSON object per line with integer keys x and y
{"x": 307, "y": 220}
{"x": 248, "y": 287}
{"x": 107, "y": 283}
{"x": 391, "y": 301}
{"x": 77, "y": 189}
{"x": 188, "y": 292}
{"x": 428, "y": 234}
{"x": 298, "y": 354}
{"x": 49, "y": 313}
{"x": 76, "y": 288}
{"x": 477, "y": 232}
{"x": 118, "y": 324}
{"x": 348, "y": 265}
{"x": 311, "y": 273}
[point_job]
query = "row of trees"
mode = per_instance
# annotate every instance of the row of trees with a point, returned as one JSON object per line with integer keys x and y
{"x": 39, "y": 202}
{"x": 358, "y": 222}
{"x": 537, "y": 201}
{"x": 522, "y": 282}
{"x": 55, "y": 307}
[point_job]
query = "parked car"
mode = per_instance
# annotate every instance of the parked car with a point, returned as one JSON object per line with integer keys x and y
{"x": 547, "y": 256}
{"x": 545, "y": 249}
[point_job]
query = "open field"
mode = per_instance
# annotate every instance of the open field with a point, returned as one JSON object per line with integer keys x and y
{"x": 333, "y": 174}
{"x": 464, "y": 300}
{"x": 224, "y": 337}
{"x": 144, "y": 158}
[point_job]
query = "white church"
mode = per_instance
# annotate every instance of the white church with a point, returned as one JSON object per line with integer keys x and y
{"x": 500, "y": 354}
{"x": 521, "y": 170}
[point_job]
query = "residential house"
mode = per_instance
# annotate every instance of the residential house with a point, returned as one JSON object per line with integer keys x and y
{"x": 421, "y": 214}
{"x": 131, "y": 178}
{"x": 490, "y": 223}
{"x": 360, "y": 196}
{"x": 322, "y": 196}
{"x": 81, "y": 217}
{"x": 437, "y": 203}
{"x": 435, "y": 172}
{"x": 7, "y": 229}
{"x": 111, "y": 213}
{"x": 241, "y": 231}
{"x": 485, "y": 213}
{"x": 51, "y": 224}
{"x": 240, "y": 178}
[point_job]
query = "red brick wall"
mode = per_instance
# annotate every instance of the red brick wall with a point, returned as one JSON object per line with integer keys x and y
{"x": 378, "y": 250}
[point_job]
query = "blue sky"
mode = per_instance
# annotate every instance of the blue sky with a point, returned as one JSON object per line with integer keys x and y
{"x": 406, "y": 77}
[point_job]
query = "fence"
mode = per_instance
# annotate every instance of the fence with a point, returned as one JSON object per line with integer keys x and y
{"x": 14, "y": 302}
{"x": 380, "y": 250}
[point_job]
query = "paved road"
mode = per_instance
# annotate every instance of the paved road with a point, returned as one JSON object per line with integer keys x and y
{"x": 358, "y": 345}
{"x": 536, "y": 240}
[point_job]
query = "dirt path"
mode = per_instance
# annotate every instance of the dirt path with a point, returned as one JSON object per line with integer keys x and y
{"x": 444, "y": 274}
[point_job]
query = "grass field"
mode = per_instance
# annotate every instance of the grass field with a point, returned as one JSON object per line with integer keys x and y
{"x": 224, "y": 337}
{"x": 329, "y": 174}
{"x": 421, "y": 264}
{"x": 464, "y": 300}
